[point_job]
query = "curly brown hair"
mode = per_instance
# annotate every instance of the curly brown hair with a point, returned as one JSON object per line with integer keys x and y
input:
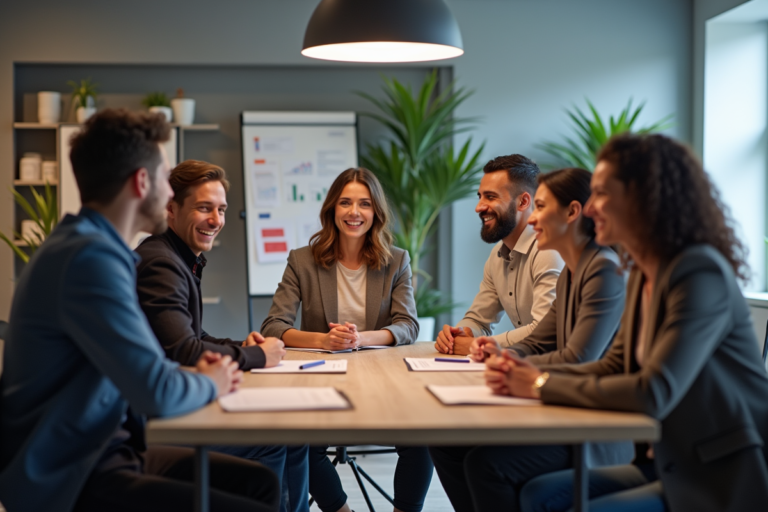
{"x": 673, "y": 195}
{"x": 378, "y": 240}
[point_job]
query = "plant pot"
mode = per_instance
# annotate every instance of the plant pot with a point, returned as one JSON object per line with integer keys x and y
{"x": 166, "y": 111}
{"x": 83, "y": 113}
{"x": 426, "y": 329}
{"x": 183, "y": 110}
{"x": 48, "y": 107}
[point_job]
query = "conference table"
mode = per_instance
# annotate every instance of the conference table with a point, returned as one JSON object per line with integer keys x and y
{"x": 391, "y": 406}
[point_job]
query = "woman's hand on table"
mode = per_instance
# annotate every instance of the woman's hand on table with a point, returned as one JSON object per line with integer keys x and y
{"x": 341, "y": 337}
{"x": 483, "y": 347}
{"x": 507, "y": 374}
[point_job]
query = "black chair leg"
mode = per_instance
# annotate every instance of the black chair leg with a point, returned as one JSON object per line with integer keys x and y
{"x": 354, "y": 468}
{"x": 373, "y": 483}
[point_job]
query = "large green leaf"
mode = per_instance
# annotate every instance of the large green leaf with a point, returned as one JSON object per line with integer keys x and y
{"x": 45, "y": 214}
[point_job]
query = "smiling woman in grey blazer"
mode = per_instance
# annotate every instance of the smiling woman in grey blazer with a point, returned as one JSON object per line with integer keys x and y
{"x": 686, "y": 351}
{"x": 354, "y": 289}
{"x": 578, "y": 327}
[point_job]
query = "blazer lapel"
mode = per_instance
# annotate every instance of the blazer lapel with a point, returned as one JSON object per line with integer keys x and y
{"x": 373, "y": 294}
{"x": 662, "y": 278}
{"x": 329, "y": 293}
{"x": 633, "y": 296}
{"x": 563, "y": 308}
{"x": 574, "y": 288}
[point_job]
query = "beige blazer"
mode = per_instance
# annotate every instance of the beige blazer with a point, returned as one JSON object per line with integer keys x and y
{"x": 389, "y": 299}
{"x": 702, "y": 377}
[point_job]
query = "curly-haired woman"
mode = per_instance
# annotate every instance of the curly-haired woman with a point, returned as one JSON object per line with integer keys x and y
{"x": 354, "y": 288}
{"x": 685, "y": 353}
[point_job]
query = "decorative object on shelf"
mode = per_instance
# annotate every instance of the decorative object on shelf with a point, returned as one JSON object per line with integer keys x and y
{"x": 158, "y": 102}
{"x": 183, "y": 108}
{"x": 48, "y": 107}
{"x": 83, "y": 98}
{"x": 50, "y": 171}
{"x": 382, "y": 31}
{"x": 421, "y": 171}
{"x": 30, "y": 167}
{"x": 592, "y": 133}
{"x": 45, "y": 215}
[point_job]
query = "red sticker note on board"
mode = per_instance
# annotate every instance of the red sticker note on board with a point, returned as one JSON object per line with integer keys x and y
{"x": 273, "y": 232}
{"x": 275, "y": 247}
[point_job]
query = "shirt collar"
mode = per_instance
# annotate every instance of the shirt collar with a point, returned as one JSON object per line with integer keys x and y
{"x": 523, "y": 245}
{"x": 105, "y": 225}
{"x": 195, "y": 263}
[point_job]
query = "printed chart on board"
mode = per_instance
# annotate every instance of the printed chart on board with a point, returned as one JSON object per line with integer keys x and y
{"x": 290, "y": 160}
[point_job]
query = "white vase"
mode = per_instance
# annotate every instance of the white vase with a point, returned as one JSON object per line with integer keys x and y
{"x": 48, "y": 107}
{"x": 183, "y": 110}
{"x": 166, "y": 111}
{"x": 83, "y": 113}
{"x": 426, "y": 329}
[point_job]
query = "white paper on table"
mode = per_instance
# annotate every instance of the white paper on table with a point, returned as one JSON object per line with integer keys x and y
{"x": 283, "y": 399}
{"x": 345, "y": 351}
{"x": 475, "y": 395}
{"x": 292, "y": 366}
{"x": 428, "y": 364}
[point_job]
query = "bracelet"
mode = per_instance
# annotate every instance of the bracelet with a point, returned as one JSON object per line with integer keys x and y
{"x": 539, "y": 383}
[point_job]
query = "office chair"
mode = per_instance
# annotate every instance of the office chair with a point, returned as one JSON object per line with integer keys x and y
{"x": 765, "y": 343}
{"x": 342, "y": 455}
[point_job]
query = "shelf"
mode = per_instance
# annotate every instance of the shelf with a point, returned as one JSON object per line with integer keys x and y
{"x": 211, "y": 300}
{"x": 34, "y": 183}
{"x": 198, "y": 127}
{"x": 36, "y": 126}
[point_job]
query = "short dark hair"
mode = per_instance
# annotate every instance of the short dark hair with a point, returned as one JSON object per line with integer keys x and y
{"x": 191, "y": 173}
{"x": 571, "y": 184}
{"x": 522, "y": 171}
{"x": 113, "y": 145}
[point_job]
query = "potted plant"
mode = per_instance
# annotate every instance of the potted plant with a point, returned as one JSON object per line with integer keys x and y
{"x": 183, "y": 108}
{"x": 45, "y": 215}
{"x": 158, "y": 102}
{"x": 591, "y": 134}
{"x": 422, "y": 172}
{"x": 83, "y": 98}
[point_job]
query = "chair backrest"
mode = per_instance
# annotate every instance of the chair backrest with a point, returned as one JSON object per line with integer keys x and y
{"x": 765, "y": 343}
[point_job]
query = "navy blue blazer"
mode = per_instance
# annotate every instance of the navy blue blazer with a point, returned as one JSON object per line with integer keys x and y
{"x": 79, "y": 351}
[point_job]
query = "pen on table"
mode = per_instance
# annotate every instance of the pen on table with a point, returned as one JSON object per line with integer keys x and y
{"x": 312, "y": 364}
{"x": 450, "y": 360}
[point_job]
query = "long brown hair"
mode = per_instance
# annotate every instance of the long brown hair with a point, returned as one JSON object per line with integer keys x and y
{"x": 676, "y": 203}
{"x": 378, "y": 239}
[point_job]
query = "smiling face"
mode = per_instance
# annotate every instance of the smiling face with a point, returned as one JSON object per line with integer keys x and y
{"x": 354, "y": 211}
{"x": 549, "y": 219}
{"x": 201, "y": 217}
{"x": 496, "y": 207}
{"x": 610, "y": 206}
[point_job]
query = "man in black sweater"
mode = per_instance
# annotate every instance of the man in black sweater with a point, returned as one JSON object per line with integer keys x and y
{"x": 169, "y": 277}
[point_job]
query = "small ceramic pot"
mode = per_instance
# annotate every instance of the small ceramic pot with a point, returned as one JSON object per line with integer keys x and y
{"x": 48, "y": 107}
{"x": 83, "y": 113}
{"x": 183, "y": 110}
{"x": 166, "y": 111}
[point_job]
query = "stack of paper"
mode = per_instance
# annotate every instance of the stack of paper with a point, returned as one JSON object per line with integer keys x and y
{"x": 292, "y": 366}
{"x": 475, "y": 395}
{"x": 283, "y": 399}
{"x": 428, "y": 364}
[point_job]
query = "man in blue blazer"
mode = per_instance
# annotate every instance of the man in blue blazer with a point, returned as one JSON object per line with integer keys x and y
{"x": 80, "y": 352}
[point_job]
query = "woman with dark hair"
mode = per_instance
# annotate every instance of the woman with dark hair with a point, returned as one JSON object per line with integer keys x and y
{"x": 354, "y": 289}
{"x": 686, "y": 351}
{"x": 578, "y": 328}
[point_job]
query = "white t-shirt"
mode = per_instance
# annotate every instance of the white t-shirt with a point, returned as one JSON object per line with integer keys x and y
{"x": 351, "y": 285}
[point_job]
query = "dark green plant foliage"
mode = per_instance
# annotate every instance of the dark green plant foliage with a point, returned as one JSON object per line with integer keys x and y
{"x": 156, "y": 99}
{"x": 82, "y": 91}
{"x": 591, "y": 133}
{"x": 45, "y": 214}
{"x": 420, "y": 169}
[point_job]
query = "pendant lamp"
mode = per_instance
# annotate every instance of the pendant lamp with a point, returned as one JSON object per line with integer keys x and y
{"x": 382, "y": 31}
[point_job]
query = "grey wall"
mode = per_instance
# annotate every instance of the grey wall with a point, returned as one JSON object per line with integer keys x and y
{"x": 526, "y": 59}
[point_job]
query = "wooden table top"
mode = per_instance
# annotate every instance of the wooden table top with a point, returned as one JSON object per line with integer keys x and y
{"x": 391, "y": 405}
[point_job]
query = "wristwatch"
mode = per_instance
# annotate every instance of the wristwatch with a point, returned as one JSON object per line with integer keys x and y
{"x": 538, "y": 383}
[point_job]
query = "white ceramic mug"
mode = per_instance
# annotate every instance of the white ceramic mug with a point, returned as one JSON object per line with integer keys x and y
{"x": 48, "y": 107}
{"x": 50, "y": 171}
{"x": 29, "y": 168}
{"x": 183, "y": 110}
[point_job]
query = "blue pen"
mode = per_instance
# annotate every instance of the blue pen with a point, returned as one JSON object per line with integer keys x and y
{"x": 312, "y": 364}
{"x": 451, "y": 360}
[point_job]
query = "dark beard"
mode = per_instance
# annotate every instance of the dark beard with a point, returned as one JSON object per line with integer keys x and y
{"x": 504, "y": 226}
{"x": 155, "y": 212}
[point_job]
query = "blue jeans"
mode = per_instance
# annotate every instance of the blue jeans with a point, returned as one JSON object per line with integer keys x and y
{"x": 289, "y": 464}
{"x": 617, "y": 488}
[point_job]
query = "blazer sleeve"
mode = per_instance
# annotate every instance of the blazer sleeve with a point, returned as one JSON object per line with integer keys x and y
{"x": 542, "y": 340}
{"x": 101, "y": 315}
{"x": 602, "y": 301}
{"x": 285, "y": 303}
{"x": 404, "y": 326}
{"x": 164, "y": 295}
{"x": 695, "y": 319}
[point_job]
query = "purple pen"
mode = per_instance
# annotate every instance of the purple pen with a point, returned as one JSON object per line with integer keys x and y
{"x": 451, "y": 360}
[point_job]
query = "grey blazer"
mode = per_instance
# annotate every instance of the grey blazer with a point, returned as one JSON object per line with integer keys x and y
{"x": 702, "y": 377}
{"x": 585, "y": 314}
{"x": 580, "y": 326}
{"x": 389, "y": 300}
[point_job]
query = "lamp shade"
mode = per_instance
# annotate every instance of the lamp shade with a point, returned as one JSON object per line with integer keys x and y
{"x": 382, "y": 31}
